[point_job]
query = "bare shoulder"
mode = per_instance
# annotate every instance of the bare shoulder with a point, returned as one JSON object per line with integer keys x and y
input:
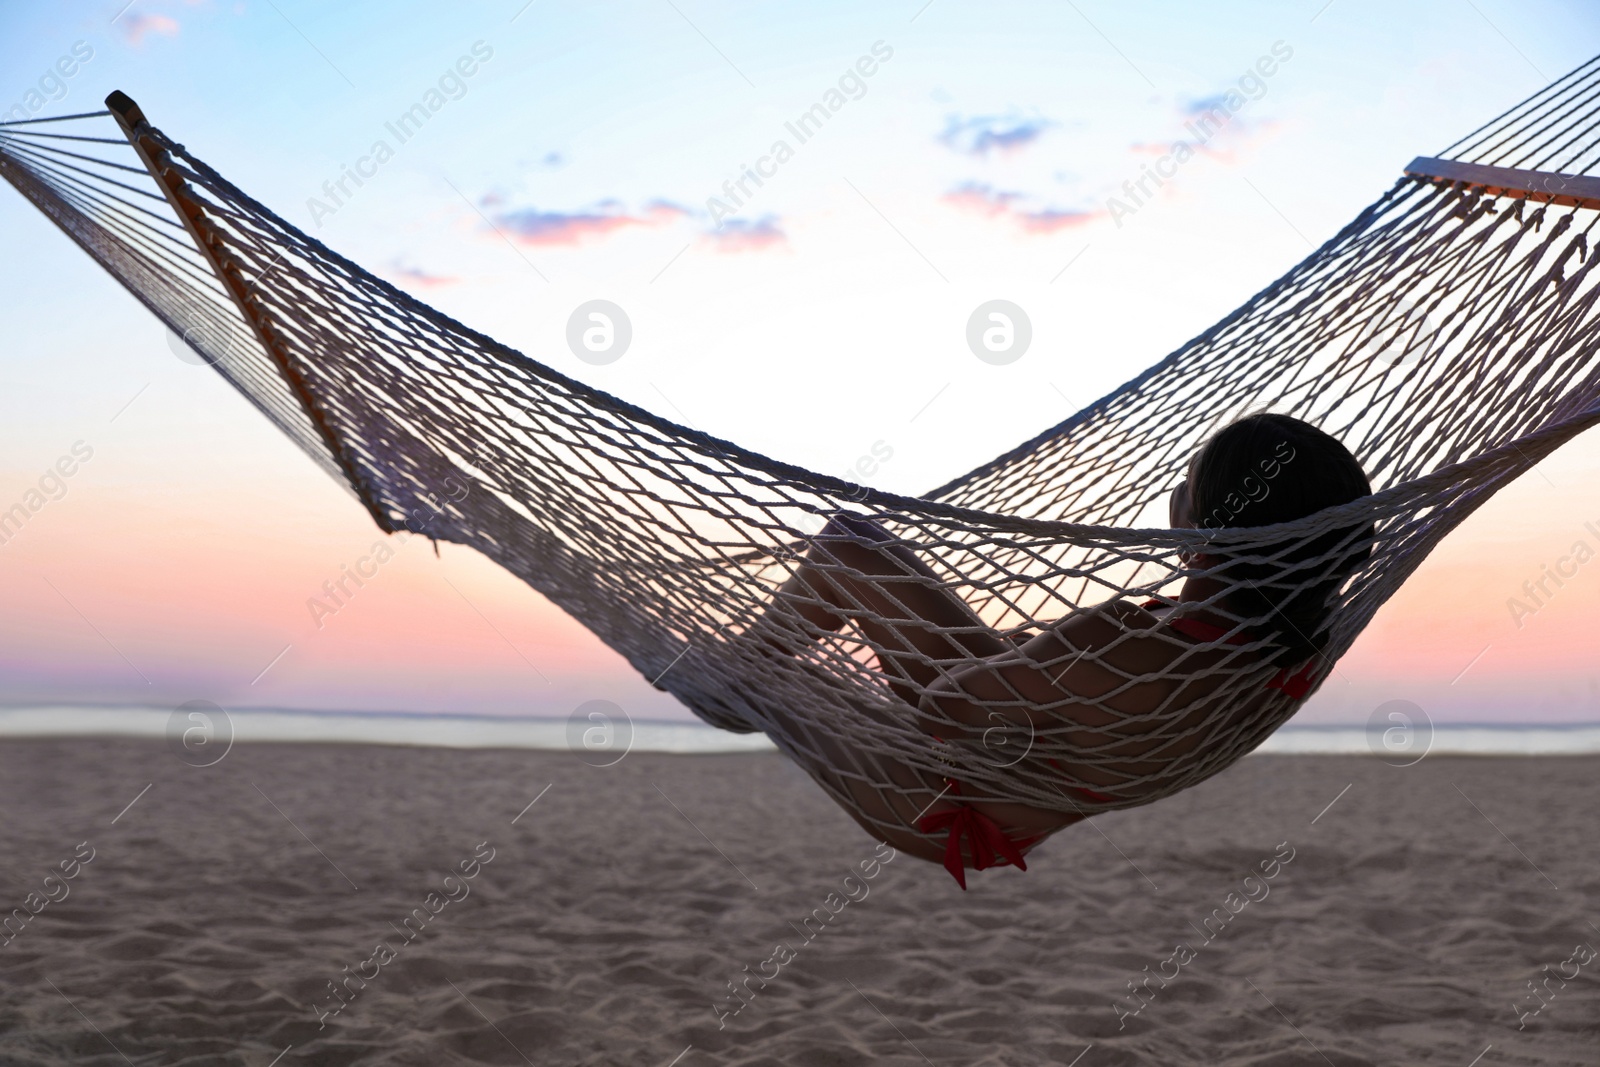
{"x": 1091, "y": 649}
{"x": 1131, "y": 615}
{"x": 1100, "y": 625}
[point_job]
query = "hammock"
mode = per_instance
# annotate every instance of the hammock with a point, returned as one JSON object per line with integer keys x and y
{"x": 1448, "y": 336}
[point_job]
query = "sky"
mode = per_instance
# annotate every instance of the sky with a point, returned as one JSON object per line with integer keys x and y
{"x": 594, "y": 152}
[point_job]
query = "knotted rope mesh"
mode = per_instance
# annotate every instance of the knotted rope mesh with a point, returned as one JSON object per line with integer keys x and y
{"x": 1448, "y": 336}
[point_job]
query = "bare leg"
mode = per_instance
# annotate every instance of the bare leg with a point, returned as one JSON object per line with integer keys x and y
{"x": 889, "y": 804}
{"x": 859, "y": 572}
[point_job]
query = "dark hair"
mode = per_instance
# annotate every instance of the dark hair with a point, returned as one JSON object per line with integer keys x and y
{"x": 1266, "y": 469}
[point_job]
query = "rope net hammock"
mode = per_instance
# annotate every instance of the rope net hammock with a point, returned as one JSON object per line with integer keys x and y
{"x": 1448, "y": 336}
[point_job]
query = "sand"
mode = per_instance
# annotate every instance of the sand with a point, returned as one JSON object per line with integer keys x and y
{"x": 603, "y": 925}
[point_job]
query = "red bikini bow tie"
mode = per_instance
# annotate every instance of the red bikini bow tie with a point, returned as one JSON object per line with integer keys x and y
{"x": 989, "y": 845}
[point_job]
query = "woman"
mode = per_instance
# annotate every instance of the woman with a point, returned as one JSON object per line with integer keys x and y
{"x": 1123, "y": 677}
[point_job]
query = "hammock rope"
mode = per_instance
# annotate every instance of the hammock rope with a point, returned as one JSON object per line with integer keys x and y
{"x": 1448, "y": 336}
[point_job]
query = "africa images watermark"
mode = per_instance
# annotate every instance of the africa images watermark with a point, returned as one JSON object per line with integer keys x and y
{"x": 354, "y": 980}
{"x": 1543, "y": 993}
{"x": 866, "y": 465}
{"x": 599, "y": 733}
{"x": 1414, "y": 320}
{"x": 452, "y": 85}
{"x": 999, "y": 332}
{"x": 1538, "y": 591}
{"x": 599, "y": 332}
{"x": 1400, "y": 733}
{"x": 1210, "y": 121}
{"x": 52, "y": 486}
{"x": 802, "y": 129}
{"x": 1254, "y": 489}
{"x": 37, "y": 901}
{"x": 1139, "y": 989}
{"x": 741, "y": 996}
{"x": 337, "y": 592}
{"x": 52, "y": 84}
{"x": 200, "y": 733}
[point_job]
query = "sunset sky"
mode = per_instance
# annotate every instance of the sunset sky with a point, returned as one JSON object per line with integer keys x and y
{"x": 821, "y": 315}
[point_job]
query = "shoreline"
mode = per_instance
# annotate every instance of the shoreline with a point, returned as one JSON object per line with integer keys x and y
{"x": 622, "y": 734}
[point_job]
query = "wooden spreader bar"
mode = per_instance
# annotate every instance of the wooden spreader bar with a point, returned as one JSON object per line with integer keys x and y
{"x": 211, "y": 245}
{"x": 1572, "y": 190}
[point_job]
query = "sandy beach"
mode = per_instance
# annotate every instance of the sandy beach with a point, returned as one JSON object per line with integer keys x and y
{"x": 346, "y": 904}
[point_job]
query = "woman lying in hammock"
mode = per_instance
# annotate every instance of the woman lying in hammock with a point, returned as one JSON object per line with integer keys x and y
{"x": 941, "y": 658}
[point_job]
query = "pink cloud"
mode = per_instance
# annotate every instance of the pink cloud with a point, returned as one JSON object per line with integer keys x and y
{"x": 987, "y": 133}
{"x": 1212, "y": 126}
{"x": 665, "y": 210}
{"x": 983, "y": 199}
{"x": 534, "y": 227}
{"x": 1050, "y": 220}
{"x": 998, "y": 203}
{"x": 418, "y": 276}
{"x": 741, "y": 235}
{"x": 135, "y": 25}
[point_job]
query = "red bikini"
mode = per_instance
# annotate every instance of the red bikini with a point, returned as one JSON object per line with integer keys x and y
{"x": 988, "y": 844}
{"x": 1296, "y": 685}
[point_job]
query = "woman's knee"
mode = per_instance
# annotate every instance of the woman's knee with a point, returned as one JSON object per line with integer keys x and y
{"x": 862, "y": 544}
{"x": 855, "y": 527}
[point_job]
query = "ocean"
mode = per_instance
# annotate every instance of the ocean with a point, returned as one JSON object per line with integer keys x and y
{"x": 674, "y": 736}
